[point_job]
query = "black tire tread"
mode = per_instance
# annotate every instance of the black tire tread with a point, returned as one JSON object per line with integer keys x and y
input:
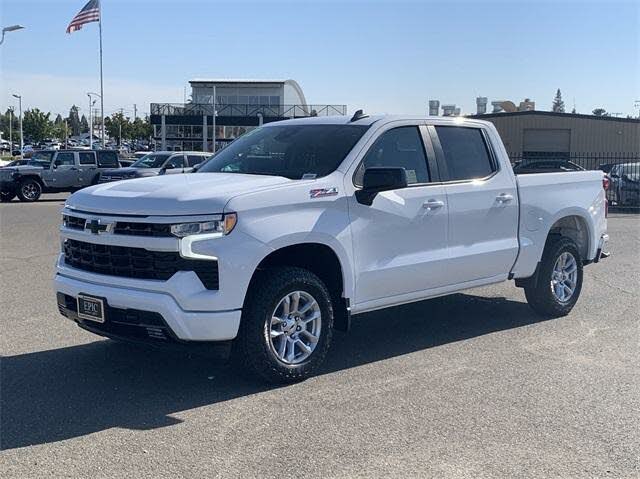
{"x": 538, "y": 293}
{"x": 251, "y": 349}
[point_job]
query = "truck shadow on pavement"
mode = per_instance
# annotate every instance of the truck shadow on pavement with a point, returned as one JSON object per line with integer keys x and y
{"x": 69, "y": 392}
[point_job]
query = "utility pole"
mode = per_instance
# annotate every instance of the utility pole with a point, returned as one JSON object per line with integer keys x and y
{"x": 66, "y": 134}
{"x": 135, "y": 112}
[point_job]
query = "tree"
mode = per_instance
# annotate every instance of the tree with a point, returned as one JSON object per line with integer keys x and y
{"x": 60, "y": 131}
{"x": 74, "y": 121}
{"x": 59, "y": 120}
{"x": 118, "y": 126}
{"x": 36, "y": 125}
{"x": 141, "y": 129}
{"x": 5, "y": 120}
{"x": 84, "y": 124}
{"x": 600, "y": 112}
{"x": 558, "y": 104}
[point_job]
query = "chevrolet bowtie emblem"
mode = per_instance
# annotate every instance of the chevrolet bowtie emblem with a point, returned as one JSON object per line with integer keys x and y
{"x": 96, "y": 227}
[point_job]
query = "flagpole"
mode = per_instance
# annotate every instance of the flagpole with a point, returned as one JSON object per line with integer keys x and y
{"x": 101, "y": 82}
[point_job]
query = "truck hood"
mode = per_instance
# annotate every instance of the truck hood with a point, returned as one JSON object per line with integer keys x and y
{"x": 170, "y": 195}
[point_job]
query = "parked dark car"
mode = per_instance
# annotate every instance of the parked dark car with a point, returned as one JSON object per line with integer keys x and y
{"x": 157, "y": 163}
{"x": 624, "y": 189}
{"x": 545, "y": 166}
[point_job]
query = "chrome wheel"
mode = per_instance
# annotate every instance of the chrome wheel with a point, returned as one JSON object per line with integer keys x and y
{"x": 564, "y": 277}
{"x": 30, "y": 190}
{"x": 294, "y": 327}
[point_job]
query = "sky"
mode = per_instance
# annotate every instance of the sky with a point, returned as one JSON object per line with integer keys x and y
{"x": 382, "y": 56}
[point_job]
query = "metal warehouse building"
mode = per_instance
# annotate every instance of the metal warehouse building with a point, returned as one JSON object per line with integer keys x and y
{"x": 535, "y": 134}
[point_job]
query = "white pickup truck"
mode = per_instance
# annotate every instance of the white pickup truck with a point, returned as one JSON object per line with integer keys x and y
{"x": 299, "y": 225}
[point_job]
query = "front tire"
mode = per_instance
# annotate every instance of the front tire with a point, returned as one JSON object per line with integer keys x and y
{"x": 287, "y": 325}
{"x": 559, "y": 280}
{"x": 29, "y": 190}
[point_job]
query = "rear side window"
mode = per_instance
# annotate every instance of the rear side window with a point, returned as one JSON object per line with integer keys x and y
{"x": 107, "y": 159}
{"x": 465, "y": 153}
{"x": 401, "y": 148}
{"x": 193, "y": 160}
{"x": 87, "y": 158}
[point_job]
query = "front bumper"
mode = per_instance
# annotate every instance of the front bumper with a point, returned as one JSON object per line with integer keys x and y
{"x": 8, "y": 186}
{"x": 182, "y": 324}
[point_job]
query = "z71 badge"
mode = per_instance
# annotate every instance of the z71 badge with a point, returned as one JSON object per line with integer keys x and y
{"x": 322, "y": 192}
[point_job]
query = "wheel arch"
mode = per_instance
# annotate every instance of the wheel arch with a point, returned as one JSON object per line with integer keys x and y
{"x": 576, "y": 225}
{"x": 322, "y": 260}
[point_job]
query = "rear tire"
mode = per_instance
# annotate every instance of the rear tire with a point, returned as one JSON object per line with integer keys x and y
{"x": 557, "y": 287}
{"x": 279, "y": 339}
{"x": 29, "y": 190}
{"x": 6, "y": 196}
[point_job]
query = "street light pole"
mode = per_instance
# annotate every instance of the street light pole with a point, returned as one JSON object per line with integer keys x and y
{"x": 19, "y": 97}
{"x": 91, "y": 118}
{"x": 11, "y": 131}
{"x": 12, "y": 28}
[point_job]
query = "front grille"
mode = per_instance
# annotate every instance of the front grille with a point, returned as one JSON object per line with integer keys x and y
{"x": 74, "y": 222}
{"x": 109, "y": 178}
{"x": 136, "y": 263}
{"x": 142, "y": 229}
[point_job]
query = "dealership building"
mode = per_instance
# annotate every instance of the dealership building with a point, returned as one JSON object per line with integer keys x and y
{"x": 229, "y": 107}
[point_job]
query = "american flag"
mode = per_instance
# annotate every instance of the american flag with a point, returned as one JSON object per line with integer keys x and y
{"x": 89, "y": 13}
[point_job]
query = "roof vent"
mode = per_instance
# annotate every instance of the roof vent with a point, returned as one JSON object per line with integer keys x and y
{"x": 358, "y": 115}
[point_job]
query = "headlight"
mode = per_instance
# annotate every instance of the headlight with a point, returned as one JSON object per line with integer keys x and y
{"x": 223, "y": 226}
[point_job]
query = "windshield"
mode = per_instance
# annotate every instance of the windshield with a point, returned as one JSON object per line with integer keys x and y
{"x": 292, "y": 151}
{"x": 41, "y": 158}
{"x": 152, "y": 160}
{"x": 631, "y": 169}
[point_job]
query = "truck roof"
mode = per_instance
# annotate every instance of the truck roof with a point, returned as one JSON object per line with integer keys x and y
{"x": 370, "y": 120}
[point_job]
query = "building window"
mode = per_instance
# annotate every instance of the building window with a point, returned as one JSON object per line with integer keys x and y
{"x": 274, "y": 100}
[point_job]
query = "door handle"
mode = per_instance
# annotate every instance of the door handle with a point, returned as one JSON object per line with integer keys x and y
{"x": 433, "y": 204}
{"x": 504, "y": 198}
{"x": 73, "y": 168}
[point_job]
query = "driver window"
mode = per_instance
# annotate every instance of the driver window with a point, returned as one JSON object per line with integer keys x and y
{"x": 176, "y": 162}
{"x": 65, "y": 159}
{"x": 400, "y": 148}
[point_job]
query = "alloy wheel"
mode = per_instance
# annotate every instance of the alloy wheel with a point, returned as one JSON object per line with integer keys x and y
{"x": 564, "y": 277}
{"x": 294, "y": 327}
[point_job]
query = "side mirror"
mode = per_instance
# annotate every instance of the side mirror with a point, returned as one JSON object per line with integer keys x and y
{"x": 378, "y": 179}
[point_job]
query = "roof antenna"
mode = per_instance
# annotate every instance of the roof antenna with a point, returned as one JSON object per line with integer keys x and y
{"x": 358, "y": 115}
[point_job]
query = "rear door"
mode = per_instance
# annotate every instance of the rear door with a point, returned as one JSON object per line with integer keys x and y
{"x": 483, "y": 204}
{"x": 88, "y": 167}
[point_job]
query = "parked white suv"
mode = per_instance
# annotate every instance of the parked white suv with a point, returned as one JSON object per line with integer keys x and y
{"x": 299, "y": 225}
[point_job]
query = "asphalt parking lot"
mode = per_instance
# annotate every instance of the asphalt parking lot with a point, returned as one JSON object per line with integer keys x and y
{"x": 471, "y": 385}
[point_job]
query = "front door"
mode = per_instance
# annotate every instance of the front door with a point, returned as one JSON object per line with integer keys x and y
{"x": 400, "y": 241}
{"x": 65, "y": 170}
{"x": 88, "y": 168}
